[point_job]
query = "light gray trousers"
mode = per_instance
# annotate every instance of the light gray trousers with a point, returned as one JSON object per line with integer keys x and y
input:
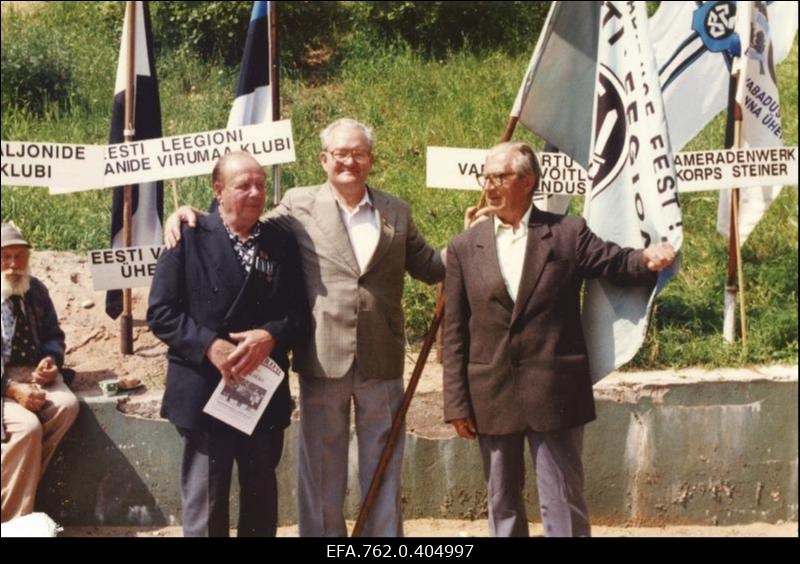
{"x": 559, "y": 480}
{"x": 325, "y": 405}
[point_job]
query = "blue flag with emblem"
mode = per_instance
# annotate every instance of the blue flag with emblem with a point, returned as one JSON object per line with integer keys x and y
{"x": 695, "y": 44}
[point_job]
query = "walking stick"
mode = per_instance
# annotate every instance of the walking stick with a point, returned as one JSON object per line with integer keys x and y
{"x": 399, "y": 419}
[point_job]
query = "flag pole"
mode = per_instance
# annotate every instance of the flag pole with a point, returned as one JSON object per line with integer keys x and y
{"x": 735, "y": 235}
{"x": 733, "y": 138}
{"x": 126, "y": 319}
{"x": 274, "y": 71}
{"x": 399, "y": 419}
{"x": 175, "y": 201}
{"x": 735, "y": 231}
{"x": 400, "y": 416}
{"x": 731, "y": 284}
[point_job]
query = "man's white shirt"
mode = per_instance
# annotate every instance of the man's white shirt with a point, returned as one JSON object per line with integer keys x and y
{"x": 362, "y": 228}
{"x": 511, "y": 244}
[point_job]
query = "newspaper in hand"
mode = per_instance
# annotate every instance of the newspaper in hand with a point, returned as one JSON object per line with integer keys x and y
{"x": 241, "y": 406}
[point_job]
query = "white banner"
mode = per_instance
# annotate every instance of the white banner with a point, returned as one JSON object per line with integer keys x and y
{"x": 455, "y": 168}
{"x": 194, "y": 154}
{"x": 129, "y": 267}
{"x": 691, "y": 42}
{"x": 73, "y": 168}
{"x": 736, "y": 168}
{"x": 757, "y": 96}
{"x": 42, "y": 164}
{"x": 449, "y": 167}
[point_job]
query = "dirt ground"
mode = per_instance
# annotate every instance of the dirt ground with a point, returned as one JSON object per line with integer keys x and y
{"x": 93, "y": 349}
{"x": 454, "y": 528}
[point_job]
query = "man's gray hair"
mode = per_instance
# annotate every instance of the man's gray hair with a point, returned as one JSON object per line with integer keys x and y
{"x": 524, "y": 162}
{"x": 325, "y": 136}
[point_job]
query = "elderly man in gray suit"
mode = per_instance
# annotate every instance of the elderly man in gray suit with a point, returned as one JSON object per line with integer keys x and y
{"x": 356, "y": 245}
{"x": 515, "y": 362}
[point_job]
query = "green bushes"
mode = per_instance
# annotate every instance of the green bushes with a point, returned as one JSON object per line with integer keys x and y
{"x": 309, "y": 31}
{"x": 55, "y": 59}
{"x": 314, "y": 34}
{"x": 209, "y": 29}
{"x": 436, "y": 28}
{"x": 37, "y": 71}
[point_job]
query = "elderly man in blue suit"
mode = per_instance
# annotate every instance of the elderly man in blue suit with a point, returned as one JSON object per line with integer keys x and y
{"x": 230, "y": 295}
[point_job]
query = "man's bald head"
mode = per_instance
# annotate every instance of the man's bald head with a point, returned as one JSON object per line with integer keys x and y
{"x": 237, "y": 159}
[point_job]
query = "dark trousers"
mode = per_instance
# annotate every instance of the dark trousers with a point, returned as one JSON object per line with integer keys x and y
{"x": 208, "y": 456}
{"x": 559, "y": 480}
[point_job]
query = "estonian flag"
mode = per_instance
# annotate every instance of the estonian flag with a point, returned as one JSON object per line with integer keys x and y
{"x": 148, "y": 199}
{"x": 253, "y": 103}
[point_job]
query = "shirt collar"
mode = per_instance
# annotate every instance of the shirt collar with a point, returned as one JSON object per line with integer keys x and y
{"x": 366, "y": 200}
{"x": 523, "y": 223}
{"x": 255, "y": 231}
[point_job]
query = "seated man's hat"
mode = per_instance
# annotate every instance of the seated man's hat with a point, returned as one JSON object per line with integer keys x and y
{"x": 11, "y": 236}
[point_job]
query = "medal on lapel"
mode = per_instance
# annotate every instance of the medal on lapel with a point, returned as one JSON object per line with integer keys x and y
{"x": 264, "y": 266}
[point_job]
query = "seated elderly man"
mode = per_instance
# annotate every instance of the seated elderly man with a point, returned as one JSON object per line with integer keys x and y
{"x": 38, "y": 408}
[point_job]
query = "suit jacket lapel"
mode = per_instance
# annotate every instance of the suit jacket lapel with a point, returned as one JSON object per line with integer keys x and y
{"x": 386, "y": 217}
{"x": 489, "y": 265}
{"x": 536, "y": 253}
{"x": 241, "y": 292}
{"x": 328, "y": 219}
{"x": 217, "y": 247}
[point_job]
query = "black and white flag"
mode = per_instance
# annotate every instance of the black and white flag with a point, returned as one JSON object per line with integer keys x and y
{"x": 148, "y": 199}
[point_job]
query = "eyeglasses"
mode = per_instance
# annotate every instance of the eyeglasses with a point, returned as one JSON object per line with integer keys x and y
{"x": 340, "y": 155}
{"x": 494, "y": 180}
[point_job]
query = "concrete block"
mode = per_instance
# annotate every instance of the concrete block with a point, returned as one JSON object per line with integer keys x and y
{"x": 688, "y": 447}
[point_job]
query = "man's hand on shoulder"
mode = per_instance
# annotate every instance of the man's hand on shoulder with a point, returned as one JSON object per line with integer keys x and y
{"x": 172, "y": 227}
{"x": 658, "y": 257}
{"x": 473, "y": 216}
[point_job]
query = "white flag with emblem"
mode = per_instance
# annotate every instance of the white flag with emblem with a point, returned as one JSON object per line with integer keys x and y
{"x": 692, "y": 43}
{"x": 633, "y": 200}
{"x": 757, "y": 95}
